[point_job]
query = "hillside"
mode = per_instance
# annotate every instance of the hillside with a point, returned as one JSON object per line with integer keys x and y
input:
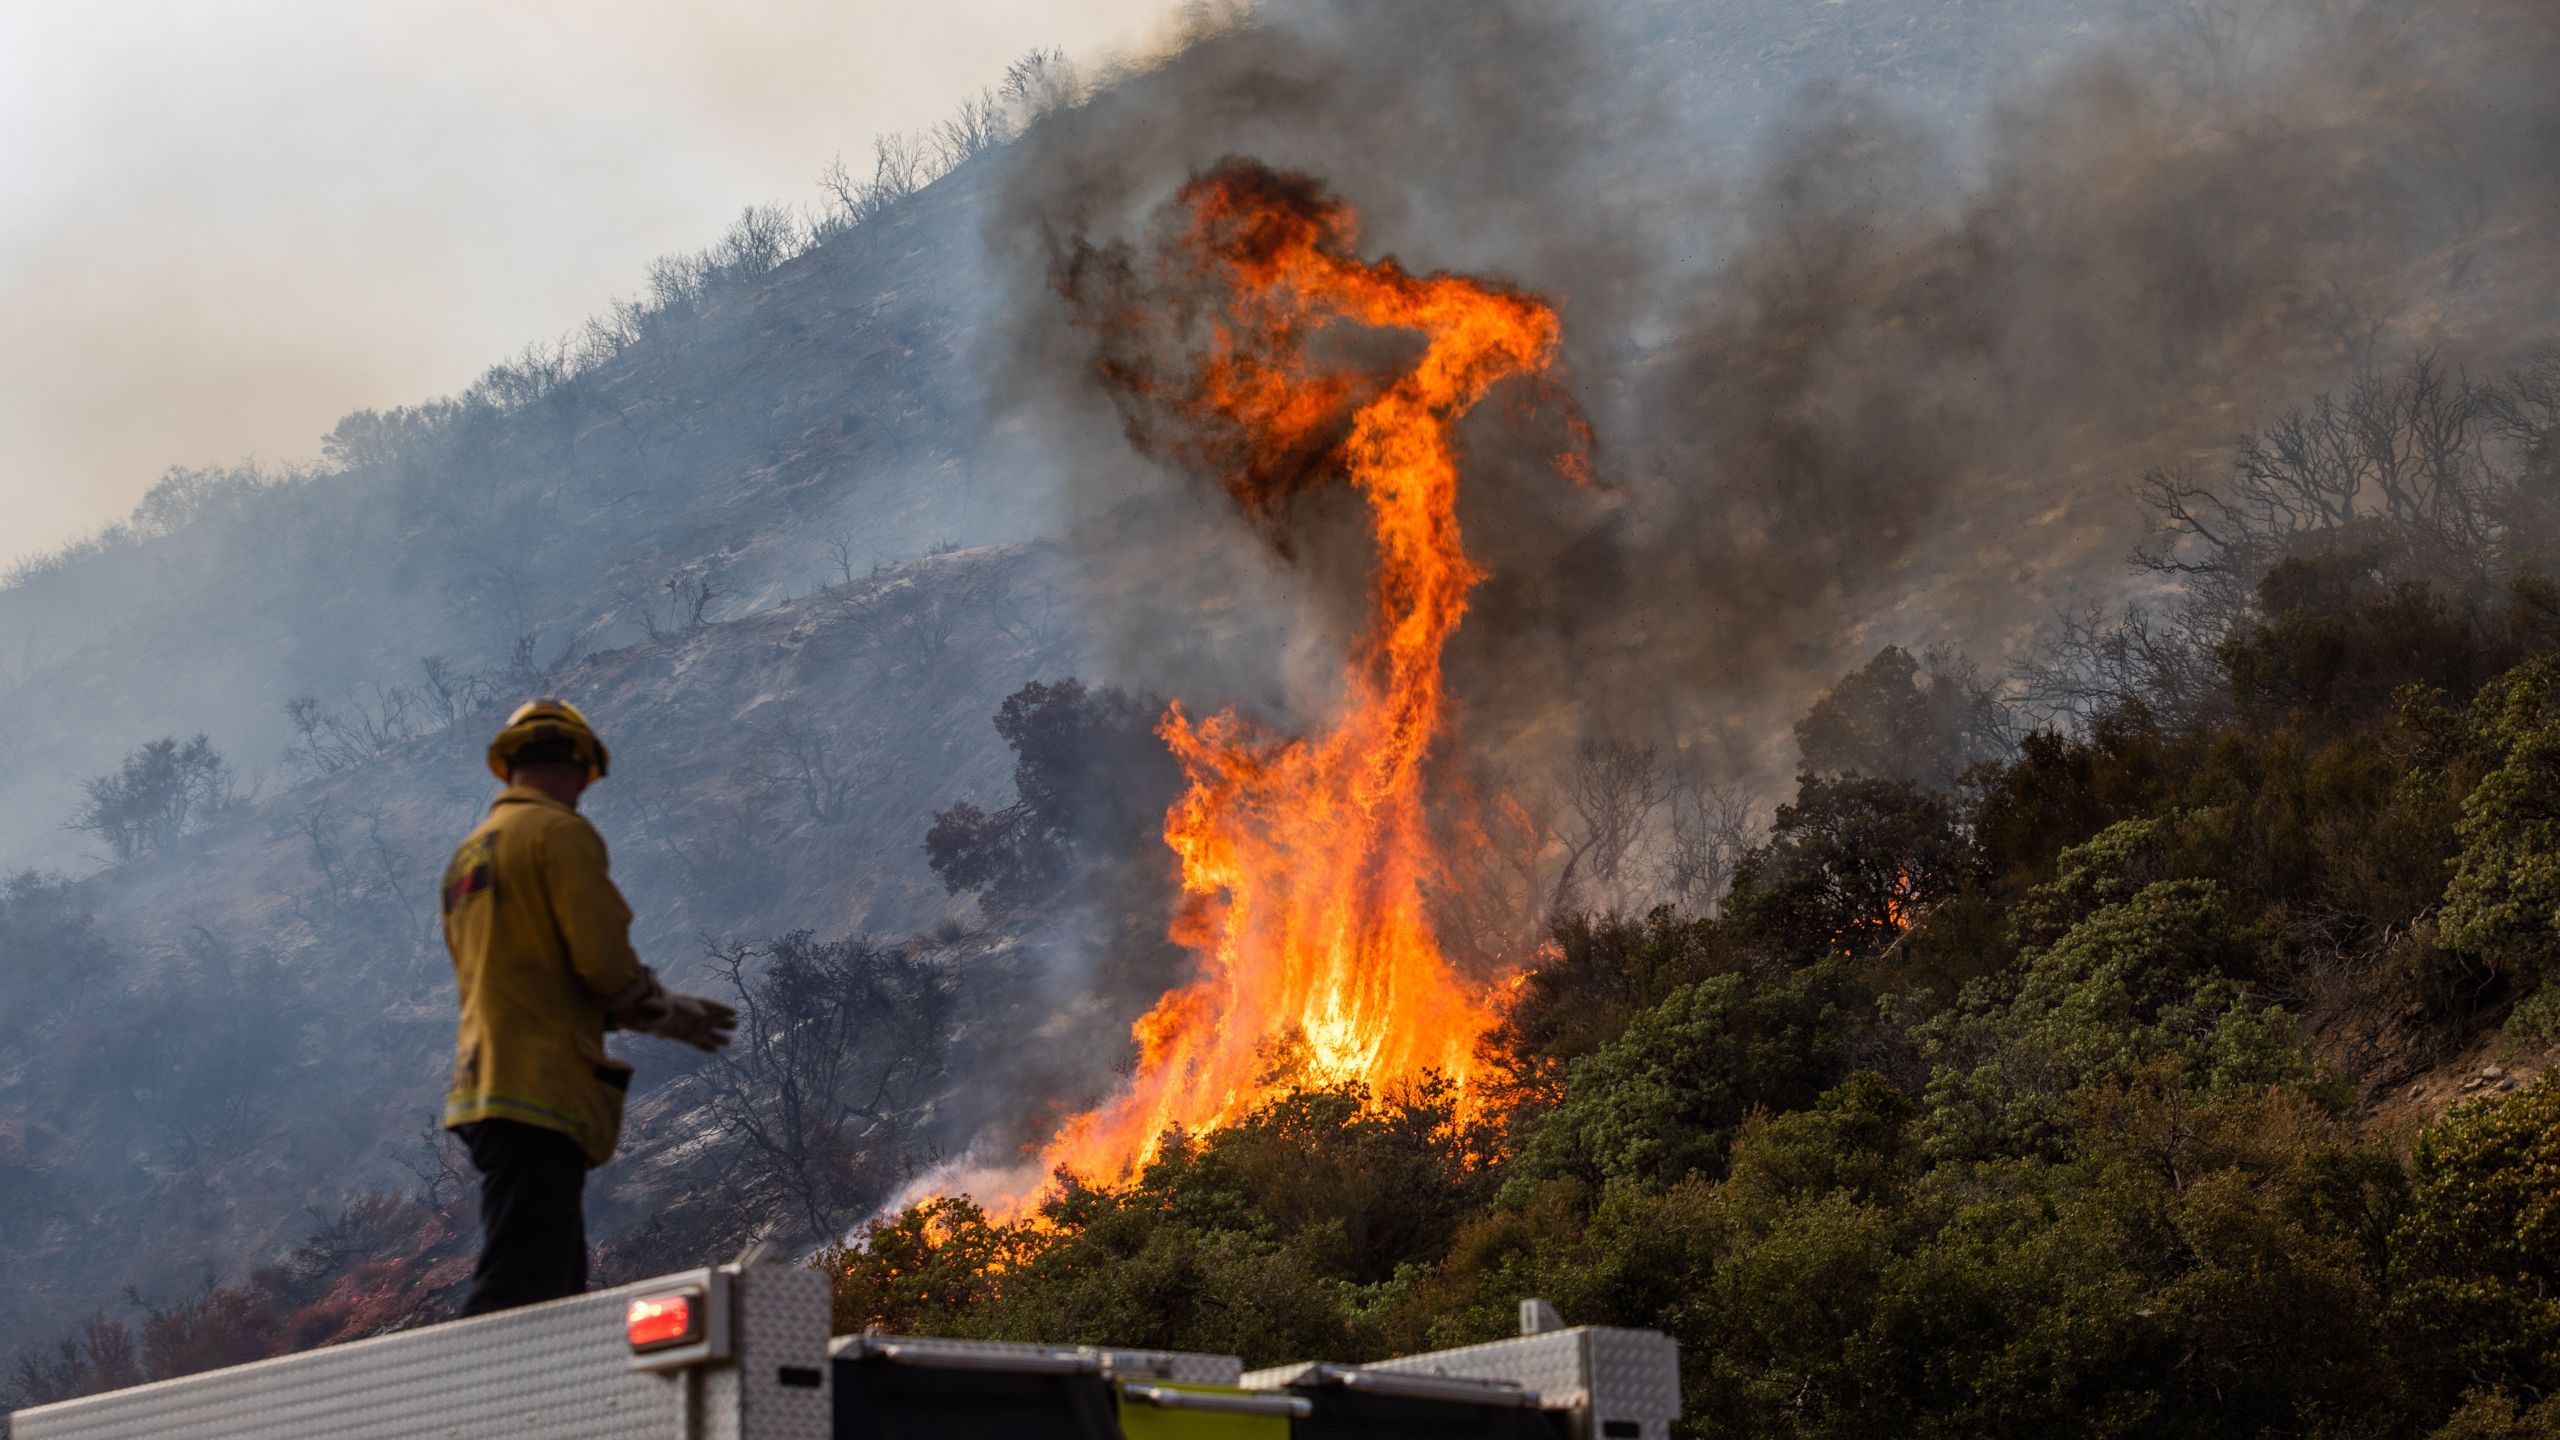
{"x": 1894, "y": 893}
{"x": 283, "y": 981}
{"x": 734, "y": 422}
{"x": 736, "y": 435}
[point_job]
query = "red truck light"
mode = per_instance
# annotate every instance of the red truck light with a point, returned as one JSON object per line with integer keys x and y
{"x": 658, "y": 1321}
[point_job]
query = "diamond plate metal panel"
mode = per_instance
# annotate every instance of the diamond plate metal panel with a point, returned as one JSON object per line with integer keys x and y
{"x": 1550, "y": 1365}
{"x": 559, "y": 1371}
{"x": 1611, "y": 1378}
{"x": 781, "y": 1387}
{"x": 1635, "y": 1376}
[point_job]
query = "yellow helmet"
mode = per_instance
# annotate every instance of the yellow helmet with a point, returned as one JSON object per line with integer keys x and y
{"x": 548, "y": 719}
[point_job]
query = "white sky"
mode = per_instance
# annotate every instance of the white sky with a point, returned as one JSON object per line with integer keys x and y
{"x": 225, "y": 223}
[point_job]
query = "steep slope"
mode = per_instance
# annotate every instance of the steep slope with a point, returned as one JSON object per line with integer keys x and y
{"x": 1821, "y": 454}
{"x": 829, "y": 399}
{"x": 286, "y": 1011}
{"x": 735, "y": 433}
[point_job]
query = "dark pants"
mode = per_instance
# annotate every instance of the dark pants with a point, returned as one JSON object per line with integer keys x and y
{"x": 533, "y": 1225}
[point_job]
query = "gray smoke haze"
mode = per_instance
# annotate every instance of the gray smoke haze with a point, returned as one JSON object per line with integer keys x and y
{"x": 1879, "y": 368}
{"x": 223, "y": 227}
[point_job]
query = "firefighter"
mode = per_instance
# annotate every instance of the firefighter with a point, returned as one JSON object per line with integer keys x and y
{"x": 542, "y": 954}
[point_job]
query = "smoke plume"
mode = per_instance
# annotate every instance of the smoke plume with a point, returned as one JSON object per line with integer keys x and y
{"x": 1876, "y": 366}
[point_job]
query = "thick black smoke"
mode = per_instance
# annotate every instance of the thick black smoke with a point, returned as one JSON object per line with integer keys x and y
{"x": 1878, "y": 311}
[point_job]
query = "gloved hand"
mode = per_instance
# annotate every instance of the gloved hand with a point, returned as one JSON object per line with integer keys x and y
{"x": 649, "y": 1008}
{"x": 696, "y": 1020}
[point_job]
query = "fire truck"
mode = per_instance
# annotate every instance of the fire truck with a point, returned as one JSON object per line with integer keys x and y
{"x": 744, "y": 1352}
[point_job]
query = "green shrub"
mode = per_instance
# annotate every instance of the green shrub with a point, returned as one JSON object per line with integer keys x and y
{"x": 1662, "y": 1101}
{"x": 2504, "y": 901}
{"x": 2136, "y": 983}
{"x": 2478, "y": 1254}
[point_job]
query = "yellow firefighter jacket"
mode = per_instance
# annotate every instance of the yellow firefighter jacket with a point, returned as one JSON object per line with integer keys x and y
{"x": 540, "y": 938}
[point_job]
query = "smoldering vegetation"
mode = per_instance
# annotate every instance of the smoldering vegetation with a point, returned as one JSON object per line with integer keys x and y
{"x": 1884, "y": 369}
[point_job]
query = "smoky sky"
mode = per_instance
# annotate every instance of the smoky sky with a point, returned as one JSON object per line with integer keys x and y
{"x": 1878, "y": 320}
{"x": 222, "y": 226}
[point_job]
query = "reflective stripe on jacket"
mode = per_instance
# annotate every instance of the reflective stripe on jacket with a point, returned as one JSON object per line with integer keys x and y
{"x": 540, "y": 938}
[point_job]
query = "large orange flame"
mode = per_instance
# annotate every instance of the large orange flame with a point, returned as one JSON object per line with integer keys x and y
{"x": 1305, "y": 860}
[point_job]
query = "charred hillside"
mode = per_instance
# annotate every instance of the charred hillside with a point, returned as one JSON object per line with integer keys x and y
{"x": 211, "y": 1043}
{"x": 761, "y": 423}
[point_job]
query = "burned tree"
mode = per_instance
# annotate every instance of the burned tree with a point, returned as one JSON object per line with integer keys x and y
{"x": 1090, "y": 781}
{"x": 1614, "y": 787}
{"x": 1897, "y": 718}
{"x": 838, "y": 1042}
{"x": 2404, "y": 463}
{"x": 796, "y": 755}
{"x": 1711, "y": 826}
{"x": 2093, "y": 663}
{"x": 327, "y": 740}
{"x": 164, "y": 790}
{"x": 691, "y": 592}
